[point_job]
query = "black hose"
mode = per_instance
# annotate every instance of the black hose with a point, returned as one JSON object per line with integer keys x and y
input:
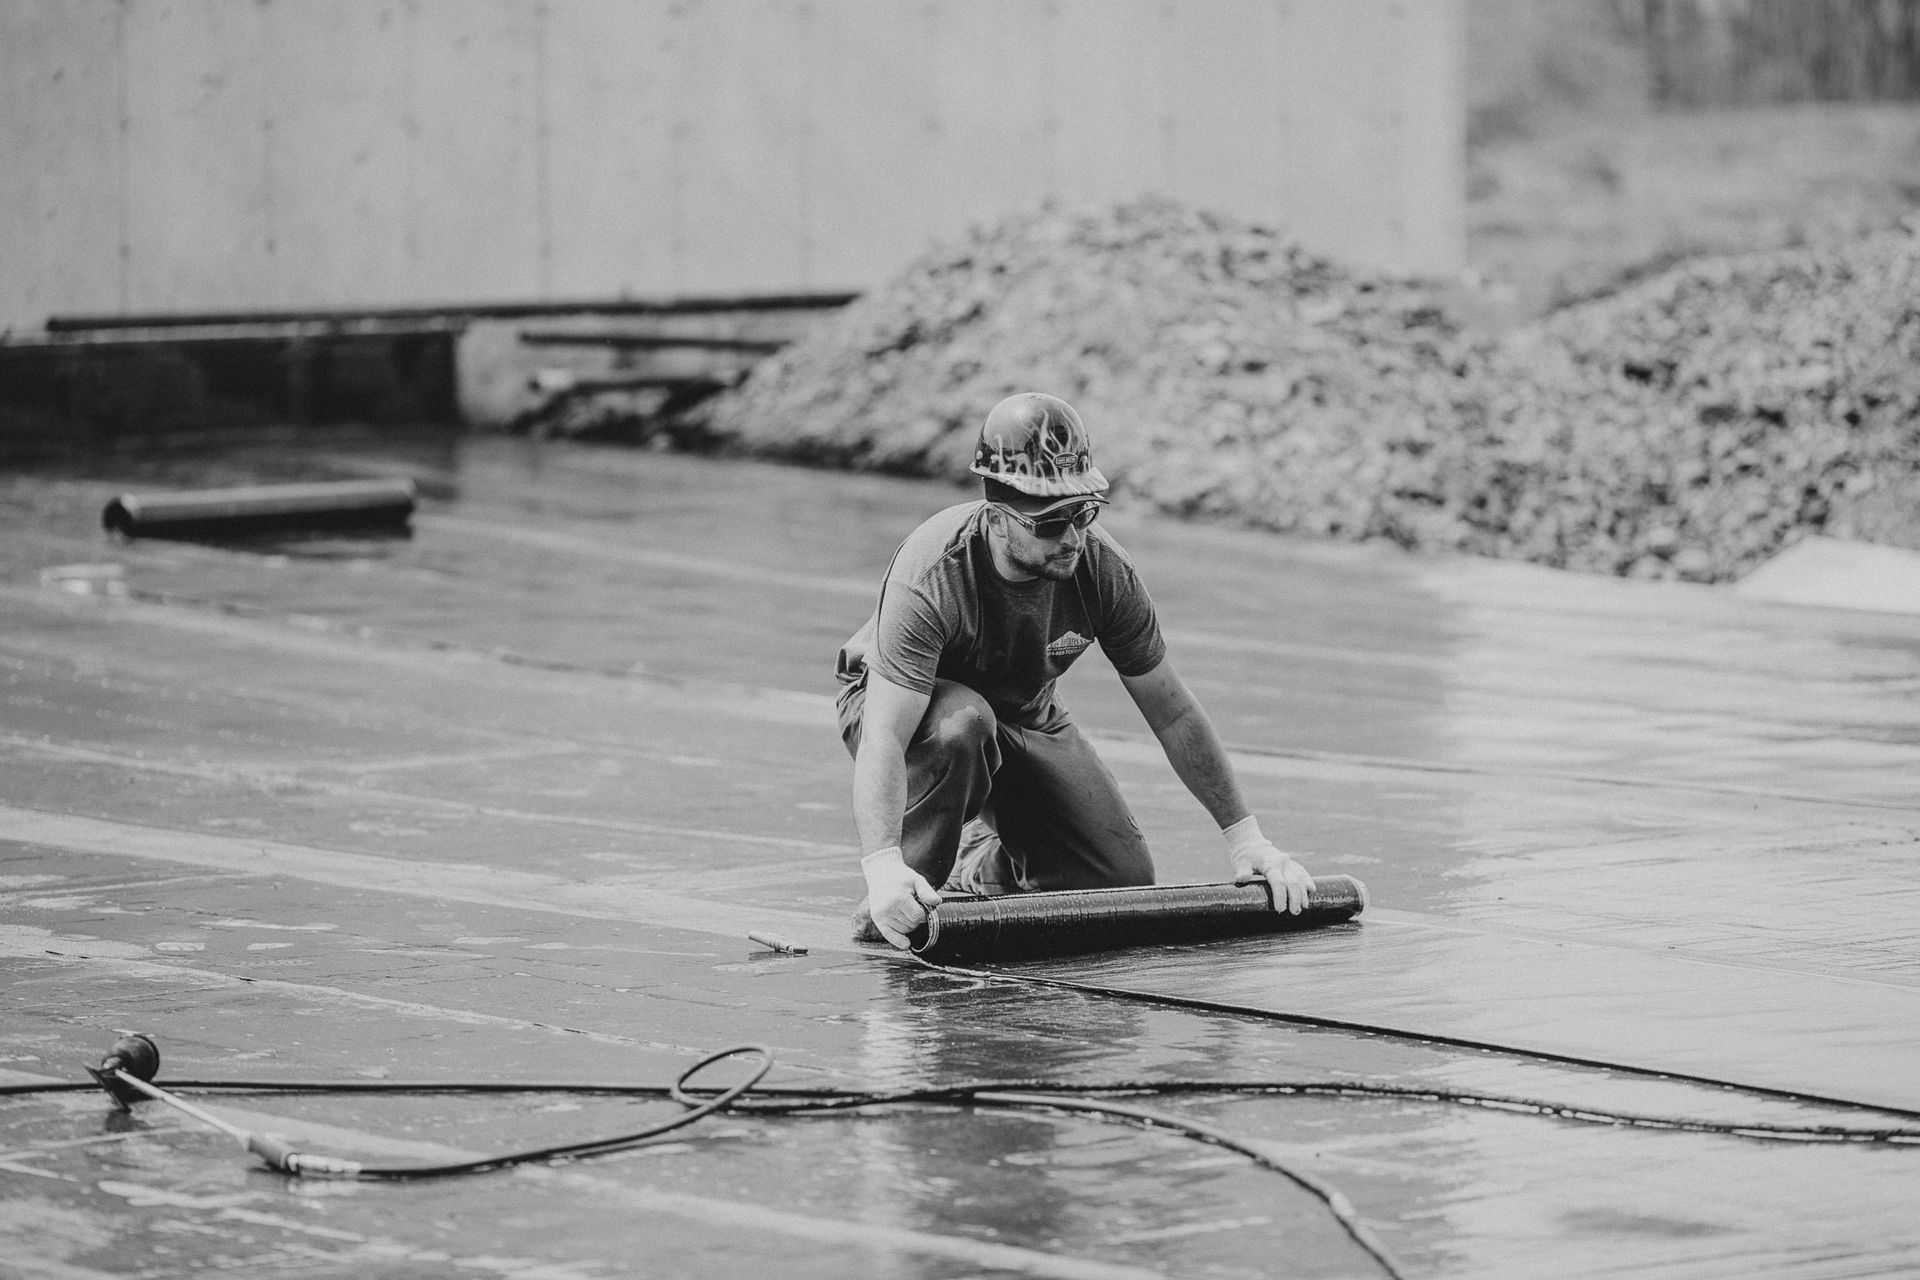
{"x": 777, "y": 1100}
{"x": 1337, "y": 1204}
{"x": 1398, "y": 1033}
{"x": 1016, "y": 1095}
{"x": 593, "y": 1146}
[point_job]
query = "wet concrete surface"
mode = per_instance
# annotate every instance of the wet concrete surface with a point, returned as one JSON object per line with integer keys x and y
{"x": 501, "y": 800}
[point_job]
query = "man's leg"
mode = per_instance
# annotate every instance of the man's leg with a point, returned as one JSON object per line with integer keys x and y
{"x": 1061, "y": 819}
{"x": 950, "y": 768}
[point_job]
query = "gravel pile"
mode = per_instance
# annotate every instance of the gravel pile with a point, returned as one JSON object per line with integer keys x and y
{"x": 1688, "y": 427}
{"x": 1696, "y": 424}
{"x": 1221, "y": 370}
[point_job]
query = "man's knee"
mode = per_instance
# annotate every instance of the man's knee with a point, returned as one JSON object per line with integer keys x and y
{"x": 958, "y": 722}
{"x": 1130, "y": 866}
{"x": 961, "y": 728}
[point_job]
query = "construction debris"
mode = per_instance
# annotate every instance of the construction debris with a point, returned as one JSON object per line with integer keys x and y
{"x": 1687, "y": 427}
{"x": 1696, "y": 424}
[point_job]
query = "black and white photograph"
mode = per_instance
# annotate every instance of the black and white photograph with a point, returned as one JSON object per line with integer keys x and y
{"x": 944, "y": 639}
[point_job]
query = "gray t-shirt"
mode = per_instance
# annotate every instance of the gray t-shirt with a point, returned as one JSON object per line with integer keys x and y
{"x": 946, "y": 613}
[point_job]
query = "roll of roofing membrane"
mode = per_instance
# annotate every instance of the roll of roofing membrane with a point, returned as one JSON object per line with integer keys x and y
{"x": 363, "y": 505}
{"x": 1025, "y": 926}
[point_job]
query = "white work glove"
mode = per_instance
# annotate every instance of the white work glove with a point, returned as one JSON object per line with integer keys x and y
{"x": 898, "y": 897}
{"x": 1255, "y": 856}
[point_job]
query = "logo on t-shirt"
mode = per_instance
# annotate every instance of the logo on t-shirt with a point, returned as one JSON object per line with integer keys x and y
{"x": 1068, "y": 645}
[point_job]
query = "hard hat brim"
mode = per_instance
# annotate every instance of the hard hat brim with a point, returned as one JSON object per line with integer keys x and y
{"x": 1078, "y": 487}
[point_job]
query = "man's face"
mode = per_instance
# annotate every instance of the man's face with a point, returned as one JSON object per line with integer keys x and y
{"x": 1054, "y": 558}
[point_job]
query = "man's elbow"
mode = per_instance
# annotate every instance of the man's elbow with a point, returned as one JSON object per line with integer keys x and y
{"x": 1178, "y": 724}
{"x": 1165, "y": 705}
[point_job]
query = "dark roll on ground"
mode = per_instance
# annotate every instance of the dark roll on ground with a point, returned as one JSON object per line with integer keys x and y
{"x": 1026, "y": 926}
{"x": 331, "y": 506}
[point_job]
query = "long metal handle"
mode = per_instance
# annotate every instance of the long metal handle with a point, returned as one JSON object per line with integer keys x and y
{"x": 204, "y": 1117}
{"x": 275, "y": 1151}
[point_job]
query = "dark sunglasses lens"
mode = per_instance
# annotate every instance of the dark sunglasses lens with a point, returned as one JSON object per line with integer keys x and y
{"x": 1058, "y": 526}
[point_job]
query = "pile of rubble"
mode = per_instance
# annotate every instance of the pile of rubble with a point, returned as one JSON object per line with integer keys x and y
{"x": 1687, "y": 427}
{"x": 1695, "y": 424}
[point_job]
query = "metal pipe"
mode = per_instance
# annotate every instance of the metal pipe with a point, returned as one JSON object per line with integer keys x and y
{"x": 651, "y": 342}
{"x": 180, "y": 1104}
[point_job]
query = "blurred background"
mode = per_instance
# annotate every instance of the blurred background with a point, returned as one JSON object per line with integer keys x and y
{"x": 1607, "y": 139}
{"x": 650, "y": 222}
{"x": 233, "y": 154}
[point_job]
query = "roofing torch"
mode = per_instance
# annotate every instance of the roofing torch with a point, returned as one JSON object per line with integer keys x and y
{"x": 127, "y": 1072}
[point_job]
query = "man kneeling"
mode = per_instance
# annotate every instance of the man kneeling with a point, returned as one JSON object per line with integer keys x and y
{"x": 967, "y": 773}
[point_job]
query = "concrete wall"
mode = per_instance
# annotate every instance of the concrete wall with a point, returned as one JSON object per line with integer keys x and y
{"x": 192, "y": 155}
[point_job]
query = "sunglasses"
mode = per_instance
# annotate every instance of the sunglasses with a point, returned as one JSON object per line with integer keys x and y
{"x": 1056, "y": 526}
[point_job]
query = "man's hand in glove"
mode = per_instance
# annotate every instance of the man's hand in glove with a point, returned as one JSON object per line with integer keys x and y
{"x": 898, "y": 897}
{"x": 1254, "y": 856}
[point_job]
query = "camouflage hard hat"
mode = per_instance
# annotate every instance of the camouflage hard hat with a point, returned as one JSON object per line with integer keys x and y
{"x": 1035, "y": 443}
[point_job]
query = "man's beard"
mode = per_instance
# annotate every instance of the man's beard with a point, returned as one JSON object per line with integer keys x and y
{"x": 1058, "y": 566}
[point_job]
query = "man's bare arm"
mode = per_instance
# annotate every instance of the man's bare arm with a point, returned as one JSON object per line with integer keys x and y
{"x": 898, "y": 897}
{"x": 888, "y": 722}
{"x": 1187, "y": 736}
{"x": 1200, "y": 759}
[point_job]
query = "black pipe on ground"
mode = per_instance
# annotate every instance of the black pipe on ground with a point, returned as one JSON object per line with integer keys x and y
{"x": 457, "y": 313}
{"x": 1026, "y": 926}
{"x": 361, "y": 506}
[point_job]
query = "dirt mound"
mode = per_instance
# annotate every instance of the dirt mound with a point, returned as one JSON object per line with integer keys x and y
{"x": 1687, "y": 427}
{"x": 1221, "y": 369}
{"x": 1697, "y": 423}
